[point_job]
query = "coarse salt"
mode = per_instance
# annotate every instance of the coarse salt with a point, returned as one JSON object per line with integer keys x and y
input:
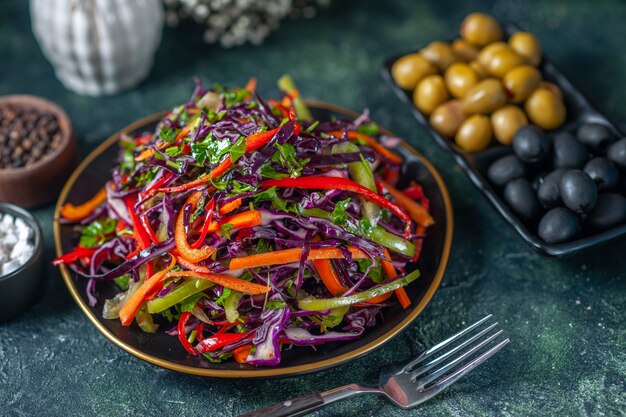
{"x": 16, "y": 243}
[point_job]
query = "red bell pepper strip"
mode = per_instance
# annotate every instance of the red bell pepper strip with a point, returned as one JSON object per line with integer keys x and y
{"x": 182, "y": 335}
{"x": 253, "y": 142}
{"x": 213, "y": 343}
{"x": 330, "y": 183}
{"x": 206, "y": 223}
{"x": 141, "y": 236}
{"x": 70, "y": 257}
{"x": 414, "y": 191}
{"x": 145, "y": 224}
{"x": 153, "y": 189}
{"x": 200, "y": 332}
{"x": 143, "y": 140}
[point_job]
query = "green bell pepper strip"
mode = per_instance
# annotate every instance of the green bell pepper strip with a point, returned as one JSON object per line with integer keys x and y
{"x": 376, "y": 234}
{"x": 230, "y": 306}
{"x": 361, "y": 173}
{"x": 315, "y": 304}
{"x": 286, "y": 84}
{"x": 145, "y": 322}
{"x": 178, "y": 294}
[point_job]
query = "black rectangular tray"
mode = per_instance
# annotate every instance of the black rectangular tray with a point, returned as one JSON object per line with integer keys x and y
{"x": 476, "y": 164}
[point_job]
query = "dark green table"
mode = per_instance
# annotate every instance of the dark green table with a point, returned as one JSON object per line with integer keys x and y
{"x": 565, "y": 317}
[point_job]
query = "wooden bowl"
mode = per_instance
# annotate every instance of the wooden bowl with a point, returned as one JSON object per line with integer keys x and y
{"x": 41, "y": 182}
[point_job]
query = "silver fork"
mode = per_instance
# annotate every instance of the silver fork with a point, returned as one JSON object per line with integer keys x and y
{"x": 413, "y": 382}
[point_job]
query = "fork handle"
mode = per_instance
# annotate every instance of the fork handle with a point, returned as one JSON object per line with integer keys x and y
{"x": 295, "y": 407}
{"x": 306, "y": 404}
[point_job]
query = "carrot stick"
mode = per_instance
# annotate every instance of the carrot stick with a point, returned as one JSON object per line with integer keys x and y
{"x": 253, "y": 142}
{"x": 132, "y": 305}
{"x": 251, "y": 85}
{"x": 148, "y": 153}
{"x": 288, "y": 256}
{"x": 369, "y": 141}
{"x": 77, "y": 213}
{"x": 420, "y": 230}
{"x": 241, "y": 353}
{"x": 224, "y": 280}
{"x": 249, "y": 218}
{"x": 329, "y": 277}
{"x": 180, "y": 236}
{"x": 193, "y": 267}
{"x": 418, "y": 213}
{"x": 391, "y": 273}
{"x": 228, "y": 207}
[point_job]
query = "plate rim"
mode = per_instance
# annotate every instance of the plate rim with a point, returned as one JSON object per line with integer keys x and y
{"x": 258, "y": 372}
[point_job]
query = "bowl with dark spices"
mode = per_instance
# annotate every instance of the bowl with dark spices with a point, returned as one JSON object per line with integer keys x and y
{"x": 21, "y": 261}
{"x": 37, "y": 150}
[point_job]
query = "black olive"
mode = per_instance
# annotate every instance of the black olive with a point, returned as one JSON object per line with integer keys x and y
{"x": 548, "y": 193}
{"x": 520, "y": 196}
{"x": 603, "y": 172}
{"x": 559, "y": 225}
{"x": 617, "y": 152}
{"x": 578, "y": 191}
{"x": 531, "y": 144}
{"x": 569, "y": 152}
{"x": 506, "y": 169}
{"x": 610, "y": 211}
{"x": 597, "y": 136}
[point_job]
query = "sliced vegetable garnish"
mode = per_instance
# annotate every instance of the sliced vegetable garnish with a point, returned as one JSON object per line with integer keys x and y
{"x": 277, "y": 227}
{"x": 288, "y": 256}
{"x": 77, "y": 213}
{"x": 316, "y": 304}
{"x": 336, "y": 183}
{"x": 227, "y": 281}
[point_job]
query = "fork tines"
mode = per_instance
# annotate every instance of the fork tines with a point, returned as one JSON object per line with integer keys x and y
{"x": 443, "y": 364}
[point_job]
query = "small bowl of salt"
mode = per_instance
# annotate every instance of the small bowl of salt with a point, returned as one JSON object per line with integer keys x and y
{"x": 21, "y": 261}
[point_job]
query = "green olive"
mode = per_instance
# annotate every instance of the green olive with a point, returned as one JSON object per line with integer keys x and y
{"x": 474, "y": 134}
{"x": 430, "y": 93}
{"x": 410, "y": 69}
{"x": 484, "y": 97}
{"x": 545, "y": 109}
{"x": 447, "y": 117}
{"x": 440, "y": 54}
{"x": 480, "y": 29}
{"x": 506, "y": 121}
{"x": 459, "y": 78}
{"x": 527, "y": 46}
{"x": 520, "y": 82}
{"x": 503, "y": 61}
{"x": 478, "y": 69}
{"x": 464, "y": 50}
{"x": 553, "y": 88}
{"x": 486, "y": 54}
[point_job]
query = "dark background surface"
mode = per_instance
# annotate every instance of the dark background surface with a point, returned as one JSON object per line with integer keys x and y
{"x": 565, "y": 317}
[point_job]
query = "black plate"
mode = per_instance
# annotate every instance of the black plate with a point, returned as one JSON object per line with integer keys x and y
{"x": 166, "y": 351}
{"x": 476, "y": 164}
